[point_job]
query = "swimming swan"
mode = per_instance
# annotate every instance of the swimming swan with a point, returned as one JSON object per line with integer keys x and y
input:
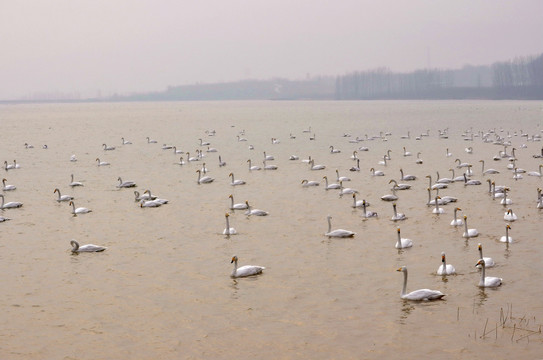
{"x": 126, "y": 184}
{"x": 418, "y": 295}
{"x": 79, "y": 210}
{"x": 203, "y": 179}
{"x": 456, "y": 221}
{"x": 10, "y": 204}
{"x": 75, "y": 183}
{"x": 338, "y": 232}
{"x": 444, "y": 268}
{"x": 487, "y": 281}
{"x": 245, "y": 270}
{"x": 228, "y": 230}
{"x": 469, "y": 233}
{"x": 256, "y": 212}
{"x": 506, "y": 238}
{"x": 403, "y": 242}
{"x": 238, "y": 206}
{"x": 62, "y": 197}
{"x": 8, "y": 187}
{"x": 86, "y": 248}
{"x": 235, "y": 182}
{"x": 489, "y": 262}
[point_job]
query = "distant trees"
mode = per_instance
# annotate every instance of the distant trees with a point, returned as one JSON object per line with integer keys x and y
{"x": 519, "y": 78}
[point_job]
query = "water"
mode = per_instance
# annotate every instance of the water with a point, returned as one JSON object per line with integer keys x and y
{"x": 162, "y": 288}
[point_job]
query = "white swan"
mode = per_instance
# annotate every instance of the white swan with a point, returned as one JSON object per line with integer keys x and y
{"x": 294, "y": 157}
{"x": 487, "y": 281}
{"x": 62, "y": 197}
{"x": 203, "y": 179}
{"x": 144, "y": 196}
{"x": 245, "y": 270}
{"x": 357, "y": 203}
{"x": 447, "y": 153}
{"x": 125, "y": 142}
{"x": 331, "y": 186}
{"x": 444, "y": 180}
{"x": 181, "y": 161}
{"x": 308, "y": 183}
{"x": 337, "y": 232}
{"x": 238, "y": 206}
{"x": 75, "y": 183}
{"x": 211, "y": 149}
{"x": 204, "y": 143}
{"x": 397, "y": 186}
{"x": 102, "y": 163}
{"x": 312, "y": 165}
{"x": 125, "y": 184}
{"x": 376, "y": 172}
{"x": 406, "y": 153}
{"x": 506, "y": 200}
{"x": 221, "y": 162}
{"x": 444, "y": 268}
{"x": 235, "y": 182}
{"x": 402, "y": 243}
{"x": 470, "y": 182}
{"x": 488, "y": 171}
{"x": 469, "y": 150}
{"x": 469, "y": 233}
{"x": 396, "y": 215}
{"x": 510, "y": 215}
{"x": 269, "y": 167}
{"x": 334, "y": 150}
{"x": 10, "y": 204}
{"x": 407, "y": 177}
{"x": 390, "y": 197}
{"x": 506, "y": 238}
{"x": 535, "y": 173}
{"x": 437, "y": 185}
{"x": 341, "y": 178}
{"x": 108, "y": 147}
{"x": 268, "y": 157}
{"x": 346, "y": 191}
{"x": 489, "y": 262}
{"x": 253, "y": 167}
{"x": 419, "y": 160}
{"x": 154, "y": 198}
{"x": 228, "y": 230}
{"x": 418, "y": 295}
{"x": 357, "y": 167}
{"x": 456, "y": 221}
{"x": 461, "y": 164}
{"x": 177, "y": 152}
{"x": 367, "y": 213}
{"x": 255, "y": 212}
{"x": 192, "y": 158}
{"x": 8, "y": 166}
{"x": 8, "y": 187}
{"x": 149, "y": 203}
{"x": 73, "y": 158}
{"x": 79, "y": 210}
{"x": 86, "y": 248}
{"x": 456, "y": 178}
{"x": 151, "y": 141}
{"x": 437, "y": 209}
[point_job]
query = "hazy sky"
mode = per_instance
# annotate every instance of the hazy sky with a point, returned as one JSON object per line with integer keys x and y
{"x": 146, "y": 45}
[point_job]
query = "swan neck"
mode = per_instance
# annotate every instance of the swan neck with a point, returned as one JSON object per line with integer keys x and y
{"x": 404, "y": 288}
{"x": 329, "y": 225}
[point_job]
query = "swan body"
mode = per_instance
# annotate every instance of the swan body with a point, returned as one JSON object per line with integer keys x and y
{"x": 469, "y": 233}
{"x": 75, "y": 183}
{"x": 489, "y": 262}
{"x": 308, "y": 183}
{"x": 86, "y": 248}
{"x": 444, "y": 268}
{"x": 149, "y": 203}
{"x": 8, "y": 187}
{"x": 10, "y": 204}
{"x": 338, "y": 232}
{"x": 418, "y": 295}
{"x": 294, "y": 157}
{"x": 73, "y": 158}
{"x": 125, "y": 184}
{"x": 397, "y": 216}
{"x": 62, "y": 197}
{"x": 437, "y": 209}
{"x": 79, "y": 210}
{"x": 510, "y": 215}
{"x": 228, "y": 230}
{"x": 154, "y": 198}
{"x": 456, "y": 221}
{"x": 245, "y": 270}
{"x": 487, "y": 281}
{"x": 506, "y": 238}
{"x": 255, "y": 212}
{"x": 402, "y": 243}
{"x": 235, "y": 182}
{"x": 102, "y": 163}
{"x": 203, "y": 179}
{"x": 238, "y": 206}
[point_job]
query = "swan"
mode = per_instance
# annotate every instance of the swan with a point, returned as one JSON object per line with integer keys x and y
{"x": 437, "y": 185}
{"x": 487, "y": 281}
{"x": 418, "y": 295}
{"x": 126, "y": 184}
{"x": 535, "y": 173}
{"x": 312, "y": 165}
{"x": 337, "y": 232}
{"x": 456, "y": 221}
{"x": 405, "y": 152}
{"x": 203, "y": 179}
{"x": 204, "y": 168}
{"x": 396, "y": 215}
{"x": 469, "y": 233}
{"x": 146, "y": 196}
{"x": 154, "y": 198}
{"x": 241, "y": 138}
{"x": 354, "y": 156}
{"x": 238, "y": 206}
{"x": 149, "y": 203}
{"x": 151, "y": 141}
{"x": 28, "y": 146}
{"x": 308, "y": 130}
{"x": 334, "y": 150}
{"x": 419, "y": 160}
{"x": 506, "y": 200}
{"x": 506, "y": 238}
{"x": 376, "y": 172}
{"x": 332, "y": 186}
{"x": 408, "y": 136}
{"x": 470, "y": 182}
{"x": 294, "y": 157}
{"x": 125, "y": 142}
{"x": 363, "y": 148}
{"x": 204, "y": 143}
{"x": 358, "y": 203}
{"x": 444, "y": 268}
{"x": 510, "y": 215}
{"x": 75, "y": 183}
{"x": 253, "y": 167}
{"x": 108, "y": 147}
{"x": 517, "y": 174}
{"x": 235, "y": 182}
{"x": 390, "y": 197}
{"x": 307, "y": 183}
{"x": 79, "y": 210}
{"x": 488, "y": 171}
{"x": 102, "y": 163}
{"x": 456, "y": 178}
{"x": 8, "y": 187}
{"x": 10, "y": 204}
{"x": 2, "y": 219}
{"x": 431, "y": 202}
{"x": 447, "y": 153}
{"x": 367, "y": 213}
{"x": 192, "y": 158}
{"x": 399, "y": 186}
{"x": 221, "y": 163}
{"x": 181, "y": 161}
{"x": 211, "y": 149}
{"x": 341, "y": 178}
{"x": 62, "y": 197}
{"x": 489, "y": 262}
{"x": 406, "y": 177}
{"x": 383, "y": 162}
{"x": 461, "y": 164}
{"x": 268, "y": 157}
{"x": 86, "y": 248}
{"x": 245, "y": 270}
{"x": 437, "y": 209}
{"x": 346, "y": 191}
{"x": 469, "y": 150}
{"x": 256, "y": 212}
{"x": 357, "y": 167}
{"x": 177, "y": 152}
{"x": 228, "y": 230}
{"x": 403, "y": 242}
{"x": 269, "y": 167}
{"x": 73, "y": 158}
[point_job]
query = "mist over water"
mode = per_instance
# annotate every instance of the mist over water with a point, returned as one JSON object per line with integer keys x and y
{"x": 163, "y": 288}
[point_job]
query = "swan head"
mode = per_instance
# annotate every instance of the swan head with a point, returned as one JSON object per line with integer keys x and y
{"x": 398, "y": 230}
{"x": 480, "y": 262}
{"x": 465, "y": 217}
{"x": 480, "y": 247}
{"x": 234, "y": 259}
{"x": 443, "y": 257}
{"x": 230, "y": 196}
{"x": 70, "y": 203}
{"x": 508, "y": 227}
{"x": 402, "y": 268}
{"x": 75, "y": 245}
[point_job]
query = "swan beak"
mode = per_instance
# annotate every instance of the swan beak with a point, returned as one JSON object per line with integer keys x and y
{"x": 442, "y": 258}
